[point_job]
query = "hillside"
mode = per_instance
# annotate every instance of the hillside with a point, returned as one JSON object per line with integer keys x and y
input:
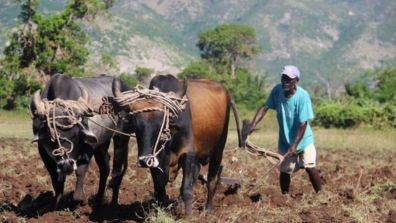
{"x": 331, "y": 41}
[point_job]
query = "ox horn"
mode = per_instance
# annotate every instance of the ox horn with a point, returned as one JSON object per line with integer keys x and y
{"x": 84, "y": 94}
{"x": 83, "y": 99}
{"x": 38, "y": 103}
{"x": 116, "y": 87}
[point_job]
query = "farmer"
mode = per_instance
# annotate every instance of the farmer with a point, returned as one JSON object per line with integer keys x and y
{"x": 296, "y": 142}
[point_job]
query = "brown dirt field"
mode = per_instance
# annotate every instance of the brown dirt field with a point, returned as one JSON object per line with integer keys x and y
{"x": 360, "y": 187}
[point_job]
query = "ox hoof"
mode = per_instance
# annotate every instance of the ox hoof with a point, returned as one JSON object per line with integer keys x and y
{"x": 208, "y": 208}
{"x": 97, "y": 201}
{"x": 79, "y": 197}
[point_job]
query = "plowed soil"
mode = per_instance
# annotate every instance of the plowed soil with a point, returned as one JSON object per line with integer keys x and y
{"x": 359, "y": 187}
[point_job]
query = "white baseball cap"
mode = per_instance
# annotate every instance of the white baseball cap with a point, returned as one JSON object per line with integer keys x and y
{"x": 291, "y": 71}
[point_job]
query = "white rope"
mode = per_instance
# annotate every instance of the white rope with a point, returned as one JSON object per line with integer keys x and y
{"x": 173, "y": 103}
{"x": 68, "y": 107}
{"x": 172, "y": 106}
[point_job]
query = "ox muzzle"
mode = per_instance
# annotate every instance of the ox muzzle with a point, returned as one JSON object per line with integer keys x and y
{"x": 66, "y": 166}
{"x": 149, "y": 161}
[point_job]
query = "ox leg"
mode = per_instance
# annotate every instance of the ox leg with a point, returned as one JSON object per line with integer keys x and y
{"x": 214, "y": 172}
{"x": 102, "y": 158}
{"x": 120, "y": 164}
{"x": 58, "y": 182}
{"x": 160, "y": 179}
{"x": 190, "y": 169}
{"x": 82, "y": 168}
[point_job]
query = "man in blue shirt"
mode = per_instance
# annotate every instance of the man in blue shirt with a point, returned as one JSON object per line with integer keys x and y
{"x": 296, "y": 142}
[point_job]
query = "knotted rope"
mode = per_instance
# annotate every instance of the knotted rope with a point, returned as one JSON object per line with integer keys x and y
{"x": 69, "y": 119}
{"x": 172, "y": 106}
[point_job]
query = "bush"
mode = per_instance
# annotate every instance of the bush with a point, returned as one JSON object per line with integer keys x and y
{"x": 128, "y": 79}
{"x": 350, "y": 113}
{"x": 247, "y": 90}
{"x": 16, "y": 90}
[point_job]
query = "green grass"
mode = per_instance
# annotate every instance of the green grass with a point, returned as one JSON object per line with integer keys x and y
{"x": 15, "y": 124}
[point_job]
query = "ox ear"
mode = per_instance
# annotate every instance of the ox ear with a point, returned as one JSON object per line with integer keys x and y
{"x": 89, "y": 137}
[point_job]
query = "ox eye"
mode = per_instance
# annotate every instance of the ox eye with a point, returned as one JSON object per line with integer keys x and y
{"x": 174, "y": 129}
{"x": 65, "y": 123}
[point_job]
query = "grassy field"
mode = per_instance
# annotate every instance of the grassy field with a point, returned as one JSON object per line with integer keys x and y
{"x": 15, "y": 124}
{"x": 18, "y": 125}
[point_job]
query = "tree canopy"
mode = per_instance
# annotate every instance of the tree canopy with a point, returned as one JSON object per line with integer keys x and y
{"x": 223, "y": 51}
{"x": 228, "y": 45}
{"x": 44, "y": 45}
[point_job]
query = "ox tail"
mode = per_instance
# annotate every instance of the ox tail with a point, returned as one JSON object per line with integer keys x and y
{"x": 236, "y": 116}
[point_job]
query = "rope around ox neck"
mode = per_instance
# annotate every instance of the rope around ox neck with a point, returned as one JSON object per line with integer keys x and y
{"x": 68, "y": 107}
{"x": 172, "y": 106}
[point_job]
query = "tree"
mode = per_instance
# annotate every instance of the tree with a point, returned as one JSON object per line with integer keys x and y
{"x": 386, "y": 91}
{"x": 223, "y": 49}
{"x": 377, "y": 84}
{"x": 45, "y": 45}
{"x": 228, "y": 45}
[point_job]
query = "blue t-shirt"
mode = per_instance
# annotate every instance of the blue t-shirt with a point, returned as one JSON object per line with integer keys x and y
{"x": 290, "y": 113}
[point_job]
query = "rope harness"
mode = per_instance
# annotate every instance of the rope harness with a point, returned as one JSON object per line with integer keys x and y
{"x": 172, "y": 106}
{"x": 65, "y": 121}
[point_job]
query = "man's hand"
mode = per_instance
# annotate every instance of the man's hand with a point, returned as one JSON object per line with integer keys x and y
{"x": 291, "y": 152}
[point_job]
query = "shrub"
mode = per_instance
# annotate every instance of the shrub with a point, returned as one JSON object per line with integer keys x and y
{"x": 350, "y": 113}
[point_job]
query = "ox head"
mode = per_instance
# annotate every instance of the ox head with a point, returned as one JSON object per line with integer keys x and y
{"x": 59, "y": 126}
{"x": 154, "y": 115}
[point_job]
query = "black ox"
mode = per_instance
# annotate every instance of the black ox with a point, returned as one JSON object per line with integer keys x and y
{"x": 179, "y": 124}
{"x": 70, "y": 121}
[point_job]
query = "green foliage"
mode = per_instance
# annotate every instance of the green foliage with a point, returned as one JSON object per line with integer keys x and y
{"x": 45, "y": 45}
{"x": 143, "y": 73}
{"x": 246, "y": 89}
{"x": 200, "y": 69}
{"x": 227, "y": 44}
{"x": 338, "y": 114}
{"x": 358, "y": 90}
{"x": 370, "y": 100}
{"x": 222, "y": 50}
{"x": 17, "y": 90}
{"x": 51, "y": 44}
{"x": 128, "y": 79}
{"x": 385, "y": 90}
{"x": 390, "y": 114}
{"x": 378, "y": 84}
{"x": 351, "y": 113}
{"x": 7, "y": 86}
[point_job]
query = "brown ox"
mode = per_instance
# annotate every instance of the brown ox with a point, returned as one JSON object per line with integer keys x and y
{"x": 180, "y": 124}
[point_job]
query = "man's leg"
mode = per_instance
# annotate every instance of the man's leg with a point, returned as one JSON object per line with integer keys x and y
{"x": 286, "y": 168}
{"x": 315, "y": 179}
{"x": 309, "y": 160}
{"x": 284, "y": 180}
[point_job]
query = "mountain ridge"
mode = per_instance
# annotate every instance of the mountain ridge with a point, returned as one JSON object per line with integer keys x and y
{"x": 332, "y": 42}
